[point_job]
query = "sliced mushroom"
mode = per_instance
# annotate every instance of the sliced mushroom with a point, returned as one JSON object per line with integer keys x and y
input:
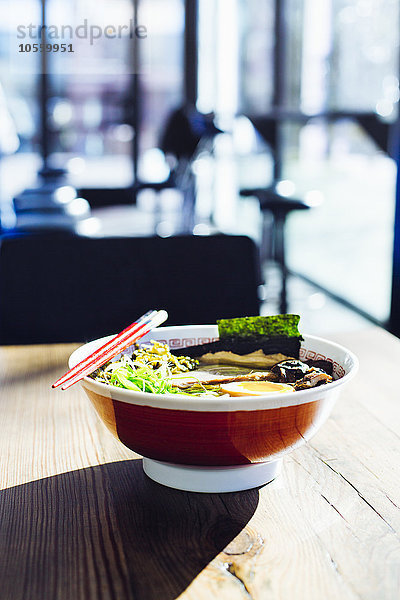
{"x": 290, "y": 371}
{"x": 313, "y": 378}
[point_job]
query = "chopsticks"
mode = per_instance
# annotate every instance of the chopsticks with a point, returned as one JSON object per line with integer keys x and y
{"x": 120, "y": 342}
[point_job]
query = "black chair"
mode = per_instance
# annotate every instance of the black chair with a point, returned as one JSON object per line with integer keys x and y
{"x": 187, "y": 133}
{"x": 70, "y": 288}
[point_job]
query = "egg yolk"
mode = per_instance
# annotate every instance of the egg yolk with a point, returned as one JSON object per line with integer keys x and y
{"x": 255, "y": 388}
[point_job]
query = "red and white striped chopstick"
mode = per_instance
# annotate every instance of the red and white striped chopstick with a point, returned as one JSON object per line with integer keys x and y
{"x": 132, "y": 328}
{"x": 120, "y": 342}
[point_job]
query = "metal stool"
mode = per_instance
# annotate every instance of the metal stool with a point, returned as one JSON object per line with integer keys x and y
{"x": 280, "y": 207}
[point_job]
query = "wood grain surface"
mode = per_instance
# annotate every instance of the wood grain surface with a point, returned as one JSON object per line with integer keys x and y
{"x": 80, "y": 521}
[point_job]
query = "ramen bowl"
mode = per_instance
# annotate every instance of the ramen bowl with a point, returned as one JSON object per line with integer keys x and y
{"x": 216, "y": 444}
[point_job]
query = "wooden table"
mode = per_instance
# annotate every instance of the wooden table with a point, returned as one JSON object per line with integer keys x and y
{"x": 80, "y": 520}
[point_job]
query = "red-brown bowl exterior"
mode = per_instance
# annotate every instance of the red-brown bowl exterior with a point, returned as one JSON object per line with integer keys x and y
{"x": 208, "y": 438}
{"x": 219, "y": 432}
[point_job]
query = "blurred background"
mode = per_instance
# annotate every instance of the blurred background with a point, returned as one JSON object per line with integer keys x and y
{"x": 276, "y": 120}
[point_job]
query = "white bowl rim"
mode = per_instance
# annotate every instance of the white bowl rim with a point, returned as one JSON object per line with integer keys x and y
{"x": 198, "y": 403}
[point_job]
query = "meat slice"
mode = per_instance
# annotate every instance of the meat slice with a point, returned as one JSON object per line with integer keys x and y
{"x": 256, "y": 376}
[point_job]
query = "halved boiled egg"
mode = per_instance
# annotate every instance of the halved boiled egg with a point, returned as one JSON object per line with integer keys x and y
{"x": 255, "y": 388}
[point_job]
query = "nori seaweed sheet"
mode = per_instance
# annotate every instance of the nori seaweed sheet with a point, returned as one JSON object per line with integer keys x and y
{"x": 271, "y": 326}
{"x": 289, "y": 346}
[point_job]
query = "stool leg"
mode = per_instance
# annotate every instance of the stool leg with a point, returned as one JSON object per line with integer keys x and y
{"x": 267, "y": 246}
{"x": 280, "y": 258}
{"x": 189, "y": 205}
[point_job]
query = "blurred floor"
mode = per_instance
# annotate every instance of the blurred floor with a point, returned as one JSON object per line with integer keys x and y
{"x": 320, "y": 315}
{"x": 352, "y": 229}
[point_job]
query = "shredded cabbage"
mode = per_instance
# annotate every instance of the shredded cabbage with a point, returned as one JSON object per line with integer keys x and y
{"x": 152, "y": 369}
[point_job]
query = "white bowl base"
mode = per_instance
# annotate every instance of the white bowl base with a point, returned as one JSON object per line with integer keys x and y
{"x": 211, "y": 479}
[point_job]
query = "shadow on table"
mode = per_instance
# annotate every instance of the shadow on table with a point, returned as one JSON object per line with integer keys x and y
{"x": 109, "y": 532}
